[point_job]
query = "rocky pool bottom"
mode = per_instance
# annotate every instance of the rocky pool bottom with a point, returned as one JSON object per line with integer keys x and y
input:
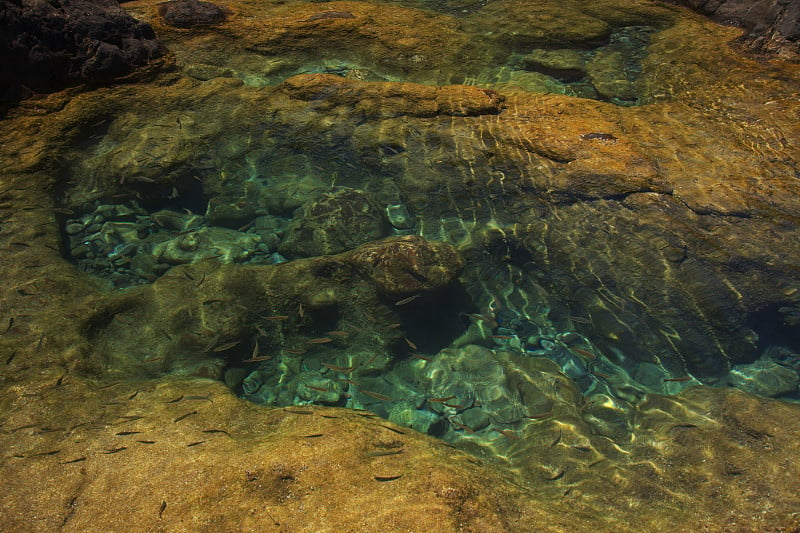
{"x": 464, "y": 392}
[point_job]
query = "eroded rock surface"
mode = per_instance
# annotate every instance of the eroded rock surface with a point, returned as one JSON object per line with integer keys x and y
{"x": 577, "y": 261}
{"x": 46, "y": 46}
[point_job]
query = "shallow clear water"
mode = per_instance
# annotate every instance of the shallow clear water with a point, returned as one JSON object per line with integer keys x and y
{"x": 568, "y": 283}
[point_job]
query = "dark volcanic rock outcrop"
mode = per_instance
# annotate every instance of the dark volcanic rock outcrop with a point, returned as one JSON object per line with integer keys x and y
{"x": 189, "y": 13}
{"x": 46, "y": 46}
{"x": 772, "y": 25}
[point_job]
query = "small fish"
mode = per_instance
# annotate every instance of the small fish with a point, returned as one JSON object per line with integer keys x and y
{"x": 371, "y": 360}
{"x": 257, "y": 359}
{"x": 461, "y": 426}
{"x": 118, "y": 318}
{"x": 506, "y": 433}
{"x": 78, "y": 460}
{"x": 123, "y": 433}
{"x": 10, "y": 324}
{"x": 348, "y": 381}
{"x": 211, "y": 344}
{"x": 440, "y": 400}
{"x": 276, "y": 317}
{"x": 153, "y": 359}
{"x": 585, "y": 353}
{"x": 216, "y": 431}
{"x": 342, "y": 369}
{"x": 59, "y": 382}
{"x": 115, "y": 450}
{"x": 255, "y": 350}
{"x": 299, "y": 411}
{"x": 195, "y": 443}
{"x": 296, "y": 351}
{"x": 51, "y": 452}
{"x": 131, "y": 418}
{"x": 176, "y": 400}
{"x": 214, "y": 301}
{"x": 134, "y": 395}
{"x": 393, "y": 326}
{"x": 108, "y": 385}
{"x": 338, "y": 333}
{"x": 320, "y": 340}
{"x": 423, "y": 357}
{"x": 227, "y": 346}
{"x": 502, "y": 337}
{"x": 454, "y": 406}
{"x": 598, "y": 136}
{"x": 206, "y": 397}
{"x": 261, "y": 331}
{"x": 383, "y": 453}
{"x": 405, "y": 301}
{"x": 410, "y": 344}
{"x": 246, "y": 226}
{"x": 301, "y": 312}
{"x": 320, "y": 389}
{"x": 389, "y": 427}
{"x": 377, "y": 396}
{"x": 314, "y": 436}
{"x": 579, "y": 319}
{"x": 146, "y": 441}
{"x": 162, "y": 509}
{"x": 186, "y": 415}
{"x": 678, "y": 380}
{"x": 384, "y": 479}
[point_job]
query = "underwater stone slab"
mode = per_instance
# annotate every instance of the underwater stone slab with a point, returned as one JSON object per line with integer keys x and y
{"x": 565, "y": 64}
{"x": 338, "y": 222}
{"x": 227, "y": 245}
{"x": 606, "y": 71}
{"x": 391, "y": 99}
{"x": 407, "y": 264}
{"x": 765, "y": 378}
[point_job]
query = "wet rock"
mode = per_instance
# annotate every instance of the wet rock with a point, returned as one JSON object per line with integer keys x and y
{"x": 336, "y": 223}
{"x": 564, "y": 64}
{"x": 765, "y": 378}
{"x": 399, "y": 217}
{"x": 190, "y": 13}
{"x": 527, "y": 26}
{"x": 408, "y": 264}
{"x": 227, "y": 246}
{"x": 46, "y": 46}
{"x": 386, "y": 100}
{"x": 772, "y": 26}
{"x": 607, "y": 73}
{"x": 229, "y": 214}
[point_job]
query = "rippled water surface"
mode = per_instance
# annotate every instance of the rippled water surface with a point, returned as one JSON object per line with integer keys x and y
{"x": 511, "y": 226}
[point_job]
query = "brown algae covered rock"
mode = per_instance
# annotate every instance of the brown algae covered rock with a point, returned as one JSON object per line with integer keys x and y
{"x": 405, "y": 265}
{"x": 333, "y": 224}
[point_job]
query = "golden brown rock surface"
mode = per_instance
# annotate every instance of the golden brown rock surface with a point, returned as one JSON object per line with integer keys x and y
{"x": 666, "y": 228}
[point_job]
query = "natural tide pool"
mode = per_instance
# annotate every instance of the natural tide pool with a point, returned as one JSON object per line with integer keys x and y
{"x": 480, "y": 266}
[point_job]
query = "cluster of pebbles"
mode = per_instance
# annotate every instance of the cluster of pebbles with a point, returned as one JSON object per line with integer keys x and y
{"x": 129, "y": 245}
